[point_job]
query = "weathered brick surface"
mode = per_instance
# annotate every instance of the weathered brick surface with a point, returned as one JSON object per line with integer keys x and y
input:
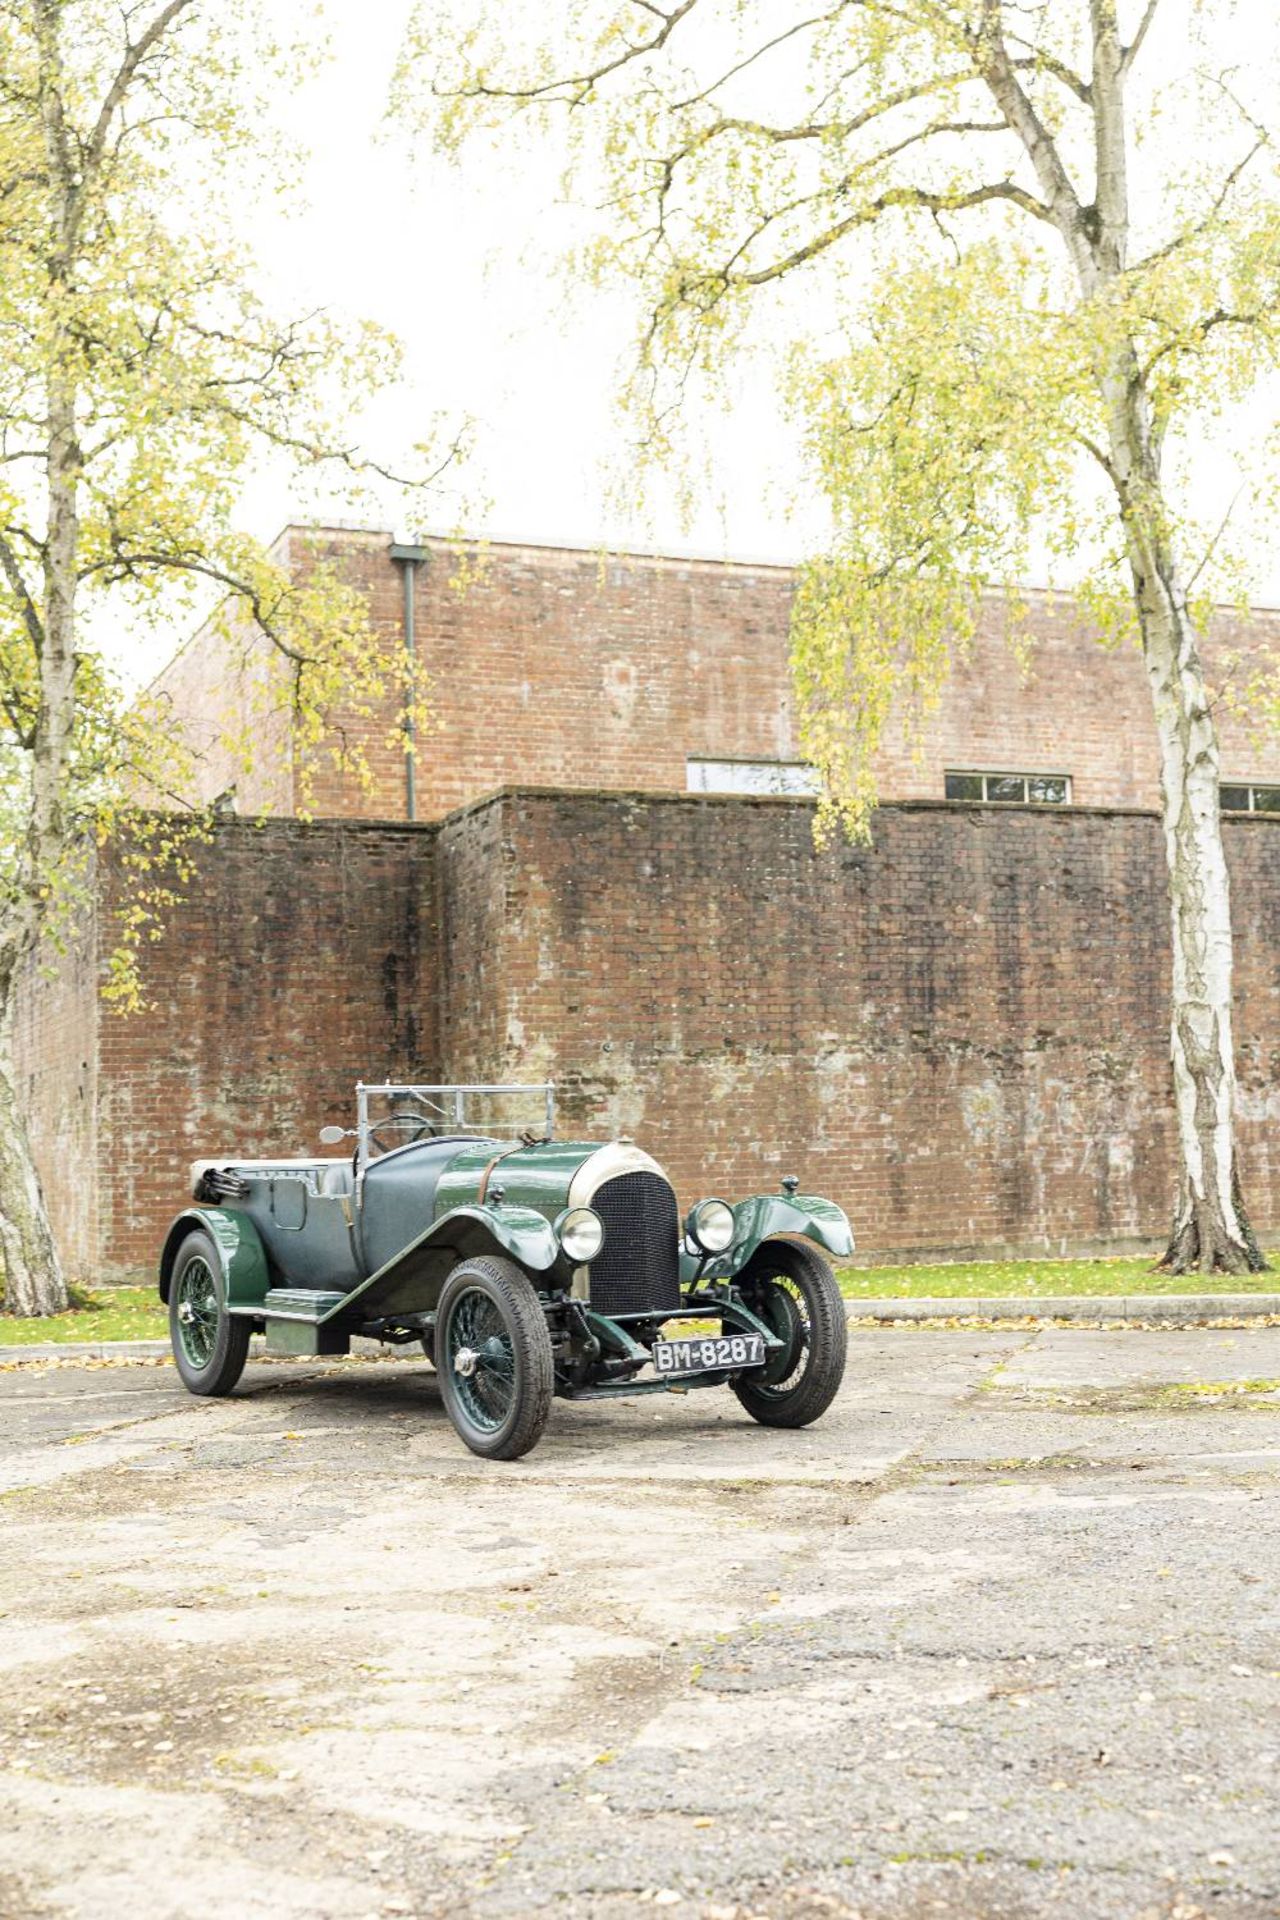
{"x": 959, "y": 1032}
{"x": 301, "y": 961}
{"x": 225, "y": 693}
{"x": 555, "y": 667}
{"x": 1073, "y": 707}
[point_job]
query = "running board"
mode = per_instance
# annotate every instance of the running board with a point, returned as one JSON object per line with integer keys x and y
{"x": 294, "y": 1319}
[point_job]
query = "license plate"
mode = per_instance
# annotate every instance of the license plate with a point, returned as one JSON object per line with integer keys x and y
{"x": 709, "y": 1353}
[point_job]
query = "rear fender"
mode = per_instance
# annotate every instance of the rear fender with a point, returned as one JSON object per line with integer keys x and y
{"x": 764, "y": 1217}
{"x": 240, "y": 1253}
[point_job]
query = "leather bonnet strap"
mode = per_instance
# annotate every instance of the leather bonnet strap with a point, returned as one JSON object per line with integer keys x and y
{"x": 483, "y": 1189}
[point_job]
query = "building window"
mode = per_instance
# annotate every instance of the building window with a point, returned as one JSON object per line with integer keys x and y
{"x": 1249, "y": 799}
{"x": 750, "y": 776}
{"x": 1035, "y": 789}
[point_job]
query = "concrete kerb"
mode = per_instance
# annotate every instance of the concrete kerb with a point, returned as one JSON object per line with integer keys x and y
{"x": 1168, "y": 1309}
{"x": 361, "y": 1349}
{"x": 84, "y": 1350}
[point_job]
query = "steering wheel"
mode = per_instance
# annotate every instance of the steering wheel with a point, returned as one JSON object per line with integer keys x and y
{"x": 420, "y": 1123}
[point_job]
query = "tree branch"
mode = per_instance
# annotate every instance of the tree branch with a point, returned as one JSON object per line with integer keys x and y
{"x": 1111, "y": 189}
{"x": 344, "y": 457}
{"x": 1091, "y": 446}
{"x": 836, "y": 129}
{"x": 767, "y": 46}
{"x": 579, "y": 85}
{"x": 1214, "y": 543}
{"x": 1130, "y": 53}
{"x": 135, "y": 53}
{"x": 1187, "y": 339}
{"x": 124, "y": 564}
{"x": 12, "y": 570}
{"x": 992, "y": 60}
{"x": 915, "y": 197}
{"x": 1041, "y": 62}
{"x": 1202, "y": 225}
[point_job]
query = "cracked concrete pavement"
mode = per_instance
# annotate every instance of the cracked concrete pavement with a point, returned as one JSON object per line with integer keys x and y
{"x": 997, "y": 1637}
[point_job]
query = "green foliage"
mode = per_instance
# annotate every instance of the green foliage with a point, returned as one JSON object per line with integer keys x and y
{"x": 941, "y": 436}
{"x": 143, "y": 381}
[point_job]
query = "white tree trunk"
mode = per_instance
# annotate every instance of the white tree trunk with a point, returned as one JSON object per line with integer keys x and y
{"x": 29, "y": 1265}
{"x": 1211, "y": 1229}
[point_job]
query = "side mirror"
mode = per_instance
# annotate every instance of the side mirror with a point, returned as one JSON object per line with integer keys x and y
{"x": 332, "y": 1136}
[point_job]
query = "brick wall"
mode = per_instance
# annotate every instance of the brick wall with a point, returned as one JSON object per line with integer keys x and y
{"x": 1073, "y": 707}
{"x": 959, "y": 1032}
{"x": 555, "y": 667}
{"x": 226, "y": 695}
{"x": 552, "y": 666}
{"x": 301, "y": 961}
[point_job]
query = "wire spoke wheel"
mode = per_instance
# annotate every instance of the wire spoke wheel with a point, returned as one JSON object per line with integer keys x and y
{"x": 197, "y": 1312}
{"x": 785, "y": 1311}
{"x": 480, "y": 1350}
{"x": 210, "y": 1345}
{"x": 493, "y": 1357}
{"x": 793, "y": 1290}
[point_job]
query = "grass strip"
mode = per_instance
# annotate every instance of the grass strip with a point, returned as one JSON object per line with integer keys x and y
{"x": 135, "y": 1313}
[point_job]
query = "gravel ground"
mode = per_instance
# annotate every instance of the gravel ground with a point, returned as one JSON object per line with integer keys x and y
{"x": 997, "y": 1638}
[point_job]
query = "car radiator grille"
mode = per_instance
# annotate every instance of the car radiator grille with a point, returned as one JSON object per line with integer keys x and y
{"x": 638, "y": 1268}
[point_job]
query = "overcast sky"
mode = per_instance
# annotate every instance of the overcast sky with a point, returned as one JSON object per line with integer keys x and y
{"x": 461, "y": 264}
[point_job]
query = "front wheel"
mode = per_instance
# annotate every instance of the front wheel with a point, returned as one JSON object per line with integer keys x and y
{"x": 210, "y": 1346}
{"x": 493, "y": 1356}
{"x": 793, "y": 1290}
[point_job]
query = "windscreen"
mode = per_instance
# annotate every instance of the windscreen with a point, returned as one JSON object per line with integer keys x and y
{"x": 396, "y": 1116}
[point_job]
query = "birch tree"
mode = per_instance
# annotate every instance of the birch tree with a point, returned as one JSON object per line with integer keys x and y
{"x": 142, "y": 378}
{"x": 1029, "y": 259}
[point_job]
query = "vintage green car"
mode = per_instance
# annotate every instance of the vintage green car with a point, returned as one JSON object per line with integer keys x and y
{"x": 525, "y": 1265}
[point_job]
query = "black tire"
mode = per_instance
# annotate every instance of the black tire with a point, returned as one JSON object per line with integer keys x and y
{"x": 428, "y": 1345}
{"x": 210, "y": 1346}
{"x": 490, "y": 1318}
{"x": 795, "y": 1293}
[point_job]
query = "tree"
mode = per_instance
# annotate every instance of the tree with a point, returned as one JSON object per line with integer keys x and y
{"x": 1023, "y": 353}
{"x": 141, "y": 377}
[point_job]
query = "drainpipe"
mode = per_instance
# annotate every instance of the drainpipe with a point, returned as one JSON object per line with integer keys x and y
{"x": 410, "y": 559}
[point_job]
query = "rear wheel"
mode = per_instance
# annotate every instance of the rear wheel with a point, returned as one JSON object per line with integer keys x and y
{"x": 210, "y": 1347}
{"x": 795, "y": 1293}
{"x": 493, "y": 1356}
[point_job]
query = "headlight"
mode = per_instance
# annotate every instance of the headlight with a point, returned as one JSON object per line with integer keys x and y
{"x": 711, "y": 1225}
{"x": 581, "y": 1233}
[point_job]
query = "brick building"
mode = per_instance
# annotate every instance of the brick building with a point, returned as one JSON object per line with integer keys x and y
{"x": 559, "y": 668}
{"x": 959, "y": 1032}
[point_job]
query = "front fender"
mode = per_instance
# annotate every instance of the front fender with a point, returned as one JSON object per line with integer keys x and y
{"x": 527, "y": 1236}
{"x": 765, "y": 1216}
{"x": 411, "y": 1280}
{"x": 240, "y": 1253}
